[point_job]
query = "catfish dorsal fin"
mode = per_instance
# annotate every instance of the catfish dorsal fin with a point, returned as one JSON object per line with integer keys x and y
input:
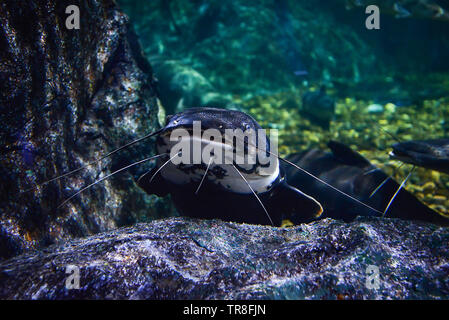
{"x": 347, "y": 155}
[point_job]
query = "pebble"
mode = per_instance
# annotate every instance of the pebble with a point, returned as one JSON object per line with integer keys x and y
{"x": 429, "y": 186}
{"x": 390, "y": 107}
{"x": 375, "y": 108}
{"x": 439, "y": 199}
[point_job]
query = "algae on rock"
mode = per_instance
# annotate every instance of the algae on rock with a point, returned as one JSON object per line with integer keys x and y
{"x": 68, "y": 97}
{"x": 180, "y": 258}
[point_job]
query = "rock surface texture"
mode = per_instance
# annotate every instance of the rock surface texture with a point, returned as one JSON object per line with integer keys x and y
{"x": 67, "y": 97}
{"x": 179, "y": 258}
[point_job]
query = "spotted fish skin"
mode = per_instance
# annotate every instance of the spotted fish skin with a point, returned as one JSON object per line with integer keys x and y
{"x": 227, "y": 190}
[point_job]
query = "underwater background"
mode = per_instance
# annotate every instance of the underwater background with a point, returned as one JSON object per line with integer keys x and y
{"x": 312, "y": 70}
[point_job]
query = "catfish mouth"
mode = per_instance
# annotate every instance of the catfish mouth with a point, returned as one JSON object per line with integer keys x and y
{"x": 231, "y": 162}
{"x": 430, "y": 154}
{"x": 412, "y": 152}
{"x": 233, "y": 150}
{"x": 402, "y": 156}
{"x": 222, "y": 141}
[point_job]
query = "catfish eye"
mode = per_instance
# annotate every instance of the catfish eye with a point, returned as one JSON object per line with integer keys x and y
{"x": 175, "y": 122}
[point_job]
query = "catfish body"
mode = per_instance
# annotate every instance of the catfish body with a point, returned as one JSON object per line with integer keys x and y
{"x": 225, "y": 190}
{"x": 351, "y": 173}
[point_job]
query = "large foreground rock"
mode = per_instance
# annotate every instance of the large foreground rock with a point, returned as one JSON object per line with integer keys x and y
{"x": 67, "y": 97}
{"x": 182, "y": 258}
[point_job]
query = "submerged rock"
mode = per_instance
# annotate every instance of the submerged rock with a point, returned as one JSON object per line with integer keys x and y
{"x": 181, "y": 258}
{"x": 375, "y": 108}
{"x": 67, "y": 97}
{"x": 182, "y": 87}
{"x": 318, "y": 107}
